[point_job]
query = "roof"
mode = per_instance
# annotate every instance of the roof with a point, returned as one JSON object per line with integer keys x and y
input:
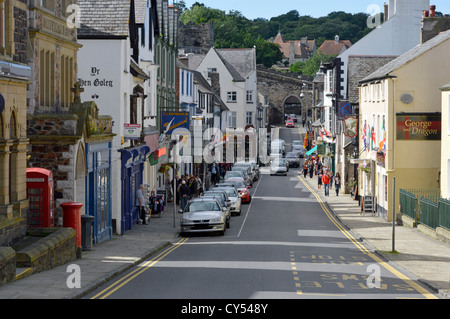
{"x": 104, "y": 18}
{"x": 407, "y": 57}
{"x": 140, "y": 10}
{"x": 332, "y": 47}
{"x": 239, "y": 62}
{"x": 303, "y": 48}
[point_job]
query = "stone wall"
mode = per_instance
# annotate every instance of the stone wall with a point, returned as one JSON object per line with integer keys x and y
{"x": 193, "y": 38}
{"x": 7, "y": 265}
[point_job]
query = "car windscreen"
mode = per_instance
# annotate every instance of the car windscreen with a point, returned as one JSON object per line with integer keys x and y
{"x": 201, "y": 206}
{"x": 230, "y": 191}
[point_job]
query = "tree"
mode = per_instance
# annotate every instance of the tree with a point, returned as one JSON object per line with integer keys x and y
{"x": 312, "y": 65}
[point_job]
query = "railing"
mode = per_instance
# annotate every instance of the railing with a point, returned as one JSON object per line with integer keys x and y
{"x": 444, "y": 213}
{"x": 426, "y": 207}
{"x": 409, "y": 204}
{"x": 429, "y": 213}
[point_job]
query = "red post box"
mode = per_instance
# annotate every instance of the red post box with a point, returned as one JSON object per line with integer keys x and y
{"x": 72, "y": 218}
{"x": 40, "y": 194}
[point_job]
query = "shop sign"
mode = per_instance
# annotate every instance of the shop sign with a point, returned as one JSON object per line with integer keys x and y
{"x": 419, "y": 126}
{"x": 173, "y": 120}
{"x": 132, "y": 131}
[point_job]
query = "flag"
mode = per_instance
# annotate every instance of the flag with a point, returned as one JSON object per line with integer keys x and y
{"x": 311, "y": 150}
{"x": 363, "y": 135}
{"x": 153, "y": 158}
{"x": 382, "y": 145}
{"x": 305, "y": 142}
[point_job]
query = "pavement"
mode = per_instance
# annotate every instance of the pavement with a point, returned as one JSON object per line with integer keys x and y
{"x": 421, "y": 257}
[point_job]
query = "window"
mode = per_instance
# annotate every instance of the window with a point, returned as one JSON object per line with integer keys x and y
{"x": 249, "y": 96}
{"x": 66, "y": 80}
{"x": 46, "y": 79}
{"x": 233, "y": 119}
{"x": 232, "y": 97}
{"x": 249, "y": 118}
{"x": 2, "y": 24}
{"x": 48, "y": 4}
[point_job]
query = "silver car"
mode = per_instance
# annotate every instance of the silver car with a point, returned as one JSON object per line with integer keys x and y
{"x": 233, "y": 196}
{"x": 222, "y": 197}
{"x": 203, "y": 215}
{"x": 278, "y": 167}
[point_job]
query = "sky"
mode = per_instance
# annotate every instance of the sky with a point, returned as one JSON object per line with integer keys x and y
{"x": 252, "y": 9}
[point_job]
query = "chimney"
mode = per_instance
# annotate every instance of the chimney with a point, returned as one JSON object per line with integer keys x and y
{"x": 336, "y": 39}
{"x": 215, "y": 82}
{"x": 432, "y": 11}
{"x": 386, "y": 12}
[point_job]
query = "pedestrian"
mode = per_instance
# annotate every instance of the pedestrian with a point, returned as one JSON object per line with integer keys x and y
{"x": 337, "y": 183}
{"x": 192, "y": 186}
{"x": 311, "y": 169}
{"x": 319, "y": 179}
{"x": 199, "y": 185}
{"x": 326, "y": 183}
{"x": 214, "y": 172}
{"x": 184, "y": 194}
{"x": 305, "y": 169}
{"x": 141, "y": 205}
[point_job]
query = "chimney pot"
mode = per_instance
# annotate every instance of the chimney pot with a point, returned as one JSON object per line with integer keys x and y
{"x": 432, "y": 11}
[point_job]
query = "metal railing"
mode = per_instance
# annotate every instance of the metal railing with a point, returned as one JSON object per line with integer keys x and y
{"x": 426, "y": 207}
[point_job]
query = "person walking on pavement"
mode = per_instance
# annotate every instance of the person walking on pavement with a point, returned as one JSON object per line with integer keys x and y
{"x": 214, "y": 172}
{"x": 326, "y": 183}
{"x": 319, "y": 178}
{"x": 141, "y": 204}
{"x": 184, "y": 194}
{"x": 305, "y": 169}
{"x": 337, "y": 183}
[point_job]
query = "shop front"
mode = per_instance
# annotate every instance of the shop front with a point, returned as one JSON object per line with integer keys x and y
{"x": 132, "y": 169}
{"x": 98, "y": 189}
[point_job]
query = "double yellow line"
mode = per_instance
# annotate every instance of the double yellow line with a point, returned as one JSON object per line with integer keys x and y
{"x": 139, "y": 270}
{"x": 361, "y": 247}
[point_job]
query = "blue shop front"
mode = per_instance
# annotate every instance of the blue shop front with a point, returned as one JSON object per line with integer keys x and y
{"x": 98, "y": 189}
{"x": 132, "y": 169}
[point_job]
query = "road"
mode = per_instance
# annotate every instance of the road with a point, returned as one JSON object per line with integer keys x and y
{"x": 284, "y": 245}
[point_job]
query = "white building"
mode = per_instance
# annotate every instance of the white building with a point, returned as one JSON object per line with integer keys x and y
{"x": 238, "y": 83}
{"x": 116, "y": 70}
{"x": 395, "y": 36}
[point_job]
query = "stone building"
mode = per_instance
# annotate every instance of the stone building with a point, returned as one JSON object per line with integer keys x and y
{"x": 67, "y": 136}
{"x": 14, "y": 78}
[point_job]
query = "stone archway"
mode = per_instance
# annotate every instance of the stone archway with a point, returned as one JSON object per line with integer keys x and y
{"x": 281, "y": 87}
{"x": 293, "y": 105}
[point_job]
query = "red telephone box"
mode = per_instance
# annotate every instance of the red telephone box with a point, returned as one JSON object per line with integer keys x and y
{"x": 40, "y": 194}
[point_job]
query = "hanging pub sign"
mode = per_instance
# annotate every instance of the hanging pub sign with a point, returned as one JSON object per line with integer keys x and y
{"x": 173, "y": 120}
{"x": 351, "y": 126}
{"x": 419, "y": 126}
{"x": 344, "y": 110}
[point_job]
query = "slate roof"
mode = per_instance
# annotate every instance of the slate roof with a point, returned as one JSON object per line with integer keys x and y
{"x": 331, "y": 47}
{"x": 104, "y": 18}
{"x": 407, "y": 57}
{"x": 239, "y": 62}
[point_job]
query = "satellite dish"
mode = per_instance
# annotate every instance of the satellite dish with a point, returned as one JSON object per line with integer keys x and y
{"x": 407, "y": 98}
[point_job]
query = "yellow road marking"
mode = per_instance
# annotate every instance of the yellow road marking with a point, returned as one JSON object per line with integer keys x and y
{"x": 363, "y": 249}
{"x": 139, "y": 270}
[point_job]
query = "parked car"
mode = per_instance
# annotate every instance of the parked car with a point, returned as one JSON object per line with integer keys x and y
{"x": 252, "y": 166}
{"x": 278, "y": 167}
{"x": 247, "y": 173}
{"x": 222, "y": 197}
{"x": 242, "y": 189}
{"x": 299, "y": 150}
{"x": 293, "y": 159}
{"x": 238, "y": 173}
{"x": 203, "y": 214}
{"x": 293, "y": 117}
{"x": 290, "y": 123}
{"x": 233, "y": 196}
